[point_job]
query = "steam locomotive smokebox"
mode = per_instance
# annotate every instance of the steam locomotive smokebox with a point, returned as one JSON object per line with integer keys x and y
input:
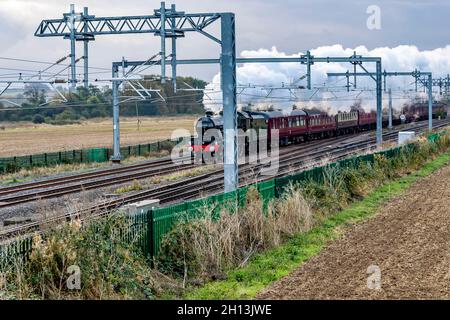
{"x": 140, "y": 207}
{"x": 405, "y": 136}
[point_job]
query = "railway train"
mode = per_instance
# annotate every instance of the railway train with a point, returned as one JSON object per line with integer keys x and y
{"x": 304, "y": 125}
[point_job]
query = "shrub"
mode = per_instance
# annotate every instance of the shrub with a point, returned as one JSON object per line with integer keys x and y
{"x": 38, "y": 119}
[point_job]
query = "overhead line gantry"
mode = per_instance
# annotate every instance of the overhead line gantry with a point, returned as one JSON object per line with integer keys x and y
{"x": 307, "y": 60}
{"x": 169, "y": 23}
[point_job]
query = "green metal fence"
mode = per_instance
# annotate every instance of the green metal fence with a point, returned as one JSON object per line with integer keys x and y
{"x": 151, "y": 227}
{"x": 163, "y": 219}
{"x": 12, "y": 164}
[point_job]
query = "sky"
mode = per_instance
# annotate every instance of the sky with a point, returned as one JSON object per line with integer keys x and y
{"x": 411, "y": 34}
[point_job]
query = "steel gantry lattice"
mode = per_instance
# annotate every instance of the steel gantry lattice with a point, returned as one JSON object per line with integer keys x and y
{"x": 416, "y": 74}
{"x": 443, "y": 83}
{"x": 165, "y": 22}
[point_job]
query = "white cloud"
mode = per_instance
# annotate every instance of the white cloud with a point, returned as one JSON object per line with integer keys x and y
{"x": 400, "y": 58}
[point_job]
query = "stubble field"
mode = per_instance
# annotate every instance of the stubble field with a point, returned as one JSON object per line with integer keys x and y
{"x": 27, "y": 138}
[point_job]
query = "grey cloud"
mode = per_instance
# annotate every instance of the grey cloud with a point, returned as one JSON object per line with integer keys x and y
{"x": 291, "y": 25}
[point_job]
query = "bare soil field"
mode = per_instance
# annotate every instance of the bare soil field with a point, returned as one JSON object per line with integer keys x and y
{"x": 409, "y": 240}
{"x": 29, "y": 138}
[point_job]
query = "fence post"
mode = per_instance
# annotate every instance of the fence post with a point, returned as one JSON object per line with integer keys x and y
{"x": 150, "y": 237}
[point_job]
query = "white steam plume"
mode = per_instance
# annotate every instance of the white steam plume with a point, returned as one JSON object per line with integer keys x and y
{"x": 401, "y": 58}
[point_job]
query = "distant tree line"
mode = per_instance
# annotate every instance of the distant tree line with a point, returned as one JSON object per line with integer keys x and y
{"x": 43, "y": 106}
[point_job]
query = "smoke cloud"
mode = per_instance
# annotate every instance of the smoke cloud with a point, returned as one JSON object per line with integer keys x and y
{"x": 259, "y": 84}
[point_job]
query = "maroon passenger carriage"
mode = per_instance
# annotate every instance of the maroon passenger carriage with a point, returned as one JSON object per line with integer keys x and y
{"x": 367, "y": 120}
{"x": 302, "y": 125}
{"x": 320, "y": 125}
{"x": 291, "y": 126}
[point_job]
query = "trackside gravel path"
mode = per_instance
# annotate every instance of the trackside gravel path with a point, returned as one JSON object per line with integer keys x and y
{"x": 409, "y": 240}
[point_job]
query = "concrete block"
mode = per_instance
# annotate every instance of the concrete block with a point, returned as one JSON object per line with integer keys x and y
{"x": 405, "y": 137}
{"x": 140, "y": 207}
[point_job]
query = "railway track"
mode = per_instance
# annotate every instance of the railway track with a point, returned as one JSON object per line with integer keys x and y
{"x": 62, "y": 186}
{"x": 80, "y": 177}
{"x": 71, "y": 184}
{"x": 290, "y": 160}
{"x": 52, "y": 188}
{"x": 57, "y": 187}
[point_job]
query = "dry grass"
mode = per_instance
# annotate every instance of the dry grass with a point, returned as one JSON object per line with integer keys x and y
{"x": 27, "y": 138}
{"x": 207, "y": 247}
